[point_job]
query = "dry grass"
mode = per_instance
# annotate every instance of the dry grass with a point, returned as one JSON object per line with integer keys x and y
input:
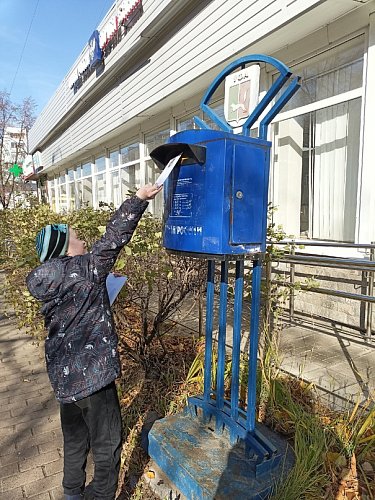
{"x": 335, "y": 452}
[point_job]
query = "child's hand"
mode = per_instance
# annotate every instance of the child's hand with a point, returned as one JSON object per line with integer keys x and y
{"x": 148, "y": 192}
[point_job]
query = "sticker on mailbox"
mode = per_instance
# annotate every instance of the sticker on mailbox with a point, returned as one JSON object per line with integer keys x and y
{"x": 182, "y": 205}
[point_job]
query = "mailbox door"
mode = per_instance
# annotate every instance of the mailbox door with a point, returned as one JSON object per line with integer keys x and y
{"x": 249, "y": 193}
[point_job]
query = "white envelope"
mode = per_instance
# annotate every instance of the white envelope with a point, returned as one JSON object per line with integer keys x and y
{"x": 168, "y": 169}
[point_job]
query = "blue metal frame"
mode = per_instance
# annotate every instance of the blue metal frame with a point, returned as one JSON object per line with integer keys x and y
{"x": 227, "y": 414}
{"x": 285, "y": 74}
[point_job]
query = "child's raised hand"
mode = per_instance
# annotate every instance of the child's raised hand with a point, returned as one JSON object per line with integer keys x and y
{"x": 148, "y": 192}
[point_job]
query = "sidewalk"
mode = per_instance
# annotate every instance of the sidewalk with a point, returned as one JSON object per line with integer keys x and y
{"x": 341, "y": 365}
{"x": 30, "y": 437}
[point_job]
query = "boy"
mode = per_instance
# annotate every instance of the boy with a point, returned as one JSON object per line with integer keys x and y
{"x": 81, "y": 346}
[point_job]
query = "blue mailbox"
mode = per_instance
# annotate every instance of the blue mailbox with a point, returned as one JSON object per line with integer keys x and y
{"x": 216, "y": 196}
{"x": 216, "y": 208}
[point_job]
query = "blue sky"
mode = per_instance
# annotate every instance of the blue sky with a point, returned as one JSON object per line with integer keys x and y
{"x": 59, "y": 31}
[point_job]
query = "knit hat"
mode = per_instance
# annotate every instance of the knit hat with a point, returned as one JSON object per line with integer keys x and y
{"x": 52, "y": 241}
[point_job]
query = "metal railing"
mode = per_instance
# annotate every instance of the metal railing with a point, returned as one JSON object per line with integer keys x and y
{"x": 365, "y": 266}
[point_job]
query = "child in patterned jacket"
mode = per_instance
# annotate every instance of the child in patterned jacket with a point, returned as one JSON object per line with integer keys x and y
{"x": 81, "y": 346}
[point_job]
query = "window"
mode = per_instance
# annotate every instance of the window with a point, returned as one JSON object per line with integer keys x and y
{"x": 100, "y": 164}
{"x": 129, "y": 168}
{"x": 62, "y": 193}
{"x": 187, "y": 122}
{"x": 52, "y": 191}
{"x": 84, "y": 185}
{"x": 316, "y": 149}
{"x": 129, "y": 152}
{"x": 71, "y": 190}
{"x": 115, "y": 187}
{"x": 86, "y": 169}
{"x": 156, "y": 139}
{"x": 100, "y": 189}
{"x": 114, "y": 159}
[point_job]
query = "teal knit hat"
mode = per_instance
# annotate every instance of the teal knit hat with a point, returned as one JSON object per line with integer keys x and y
{"x": 52, "y": 241}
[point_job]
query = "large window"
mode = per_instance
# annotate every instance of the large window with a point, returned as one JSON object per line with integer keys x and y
{"x": 316, "y": 148}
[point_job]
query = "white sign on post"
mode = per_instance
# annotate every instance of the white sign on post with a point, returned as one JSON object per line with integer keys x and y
{"x": 241, "y": 95}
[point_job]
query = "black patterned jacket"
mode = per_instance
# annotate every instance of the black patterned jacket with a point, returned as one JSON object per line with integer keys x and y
{"x": 81, "y": 347}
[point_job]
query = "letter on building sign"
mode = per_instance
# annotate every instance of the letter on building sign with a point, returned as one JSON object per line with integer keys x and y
{"x": 95, "y": 52}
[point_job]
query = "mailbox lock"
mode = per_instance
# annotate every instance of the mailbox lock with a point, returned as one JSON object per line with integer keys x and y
{"x": 239, "y": 195}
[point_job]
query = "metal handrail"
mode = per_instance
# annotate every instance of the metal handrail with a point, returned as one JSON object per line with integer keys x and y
{"x": 366, "y": 266}
{"x": 338, "y": 262}
{"x": 313, "y": 243}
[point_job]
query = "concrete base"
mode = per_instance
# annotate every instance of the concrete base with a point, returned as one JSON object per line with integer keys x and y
{"x": 203, "y": 465}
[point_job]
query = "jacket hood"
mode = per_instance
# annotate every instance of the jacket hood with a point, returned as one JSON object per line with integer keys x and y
{"x": 44, "y": 282}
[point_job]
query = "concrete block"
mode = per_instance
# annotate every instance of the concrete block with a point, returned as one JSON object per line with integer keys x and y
{"x": 185, "y": 449}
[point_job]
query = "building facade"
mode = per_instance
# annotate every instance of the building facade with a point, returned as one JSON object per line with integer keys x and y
{"x": 143, "y": 73}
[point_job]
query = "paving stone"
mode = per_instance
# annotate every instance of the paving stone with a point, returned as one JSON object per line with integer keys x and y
{"x": 56, "y": 444}
{"x": 21, "y": 479}
{"x": 39, "y": 460}
{"x": 24, "y": 442}
{"x": 9, "y": 470}
{"x": 42, "y": 485}
{"x": 42, "y": 496}
{"x": 19, "y": 456}
{"x": 7, "y": 448}
{"x": 57, "y": 493}
{"x": 54, "y": 467}
{"x": 15, "y": 494}
{"x": 6, "y": 431}
{"x": 37, "y": 411}
{"x": 14, "y": 405}
{"x": 4, "y": 415}
{"x": 53, "y": 424}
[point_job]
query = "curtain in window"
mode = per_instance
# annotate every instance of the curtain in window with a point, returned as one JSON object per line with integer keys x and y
{"x": 335, "y": 166}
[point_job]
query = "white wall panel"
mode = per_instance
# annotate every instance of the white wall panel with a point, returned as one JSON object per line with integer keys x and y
{"x": 216, "y": 35}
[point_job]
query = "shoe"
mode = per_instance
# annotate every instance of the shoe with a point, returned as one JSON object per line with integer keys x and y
{"x": 73, "y": 497}
{"x": 88, "y": 494}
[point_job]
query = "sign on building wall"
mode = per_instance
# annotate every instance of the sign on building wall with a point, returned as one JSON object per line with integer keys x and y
{"x": 101, "y": 43}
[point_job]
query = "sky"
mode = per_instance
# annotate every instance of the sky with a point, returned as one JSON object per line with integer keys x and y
{"x": 39, "y": 42}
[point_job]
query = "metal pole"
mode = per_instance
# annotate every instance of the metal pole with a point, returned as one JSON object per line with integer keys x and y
{"x": 254, "y": 327}
{"x": 370, "y": 292}
{"x": 222, "y": 335}
{"x": 238, "y": 297}
{"x": 209, "y": 326}
{"x": 291, "y": 291}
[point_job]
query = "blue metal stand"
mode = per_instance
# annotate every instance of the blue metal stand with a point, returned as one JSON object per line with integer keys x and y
{"x": 228, "y": 416}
